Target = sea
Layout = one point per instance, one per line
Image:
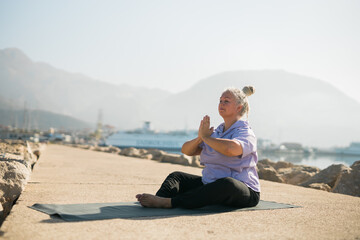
(316, 160)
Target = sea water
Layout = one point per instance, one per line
(315, 160)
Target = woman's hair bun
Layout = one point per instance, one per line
(248, 90)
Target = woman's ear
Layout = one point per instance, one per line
(239, 107)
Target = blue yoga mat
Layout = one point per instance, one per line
(99, 211)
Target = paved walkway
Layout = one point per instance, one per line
(67, 175)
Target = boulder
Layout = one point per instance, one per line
(320, 186)
(266, 163)
(148, 156)
(131, 152)
(1, 214)
(282, 164)
(349, 181)
(296, 176)
(176, 159)
(14, 173)
(328, 176)
(195, 161)
(269, 173)
(36, 154)
(156, 153)
(186, 160)
(112, 149)
(309, 169)
(99, 149)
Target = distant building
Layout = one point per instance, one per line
(291, 146)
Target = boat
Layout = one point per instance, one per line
(353, 149)
(146, 138)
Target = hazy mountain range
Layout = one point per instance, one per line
(285, 107)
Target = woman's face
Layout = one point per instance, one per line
(228, 106)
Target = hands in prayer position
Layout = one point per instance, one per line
(204, 128)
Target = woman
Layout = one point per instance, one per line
(229, 157)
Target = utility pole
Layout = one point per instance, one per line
(25, 118)
(98, 132)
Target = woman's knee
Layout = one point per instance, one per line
(175, 174)
(234, 186)
(227, 182)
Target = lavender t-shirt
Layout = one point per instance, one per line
(240, 167)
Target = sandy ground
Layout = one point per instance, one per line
(69, 175)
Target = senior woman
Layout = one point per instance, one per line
(228, 155)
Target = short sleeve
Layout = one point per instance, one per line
(247, 141)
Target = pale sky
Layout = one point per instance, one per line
(172, 44)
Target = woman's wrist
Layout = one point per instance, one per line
(199, 140)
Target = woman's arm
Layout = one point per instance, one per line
(191, 148)
(227, 147)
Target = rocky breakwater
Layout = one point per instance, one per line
(149, 154)
(17, 159)
(336, 178)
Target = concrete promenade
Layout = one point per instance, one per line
(65, 175)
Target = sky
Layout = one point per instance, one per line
(172, 45)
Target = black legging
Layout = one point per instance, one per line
(188, 191)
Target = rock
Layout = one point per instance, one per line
(98, 149)
(112, 149)
(349, 181)
(296, 176)
(29, 156)
(266, 163)
(282, 164)
(156, 153)
(1, 214)
(269, 173)
(148, 156)
(16, 162)
(37, 154)
(195, 161)
(176, 159)
(320, 186)
(91, 148)
(143, 151)
(186, 160)
(131, 152)
(309, 169)
(13, 177)
(328, 176)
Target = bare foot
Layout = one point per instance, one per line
(149, 200)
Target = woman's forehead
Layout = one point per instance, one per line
(227, 94)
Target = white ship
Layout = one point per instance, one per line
(147, 138)
(353, 149)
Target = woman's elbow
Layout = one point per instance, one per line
(183, 151)
(186, 151)
(232, 151)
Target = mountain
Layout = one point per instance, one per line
(285, 106)
(42, 120)
(45, 87)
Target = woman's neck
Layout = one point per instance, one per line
(230, 121)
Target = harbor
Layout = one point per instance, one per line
(171, 141)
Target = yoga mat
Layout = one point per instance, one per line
(99, 211)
